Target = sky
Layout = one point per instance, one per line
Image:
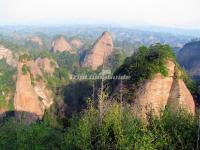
(168, 13)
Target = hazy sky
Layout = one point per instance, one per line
(176, 13)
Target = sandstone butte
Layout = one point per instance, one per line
(61, 45)
(76, 43)
(155, 95)
(100, 51)
(36, 40)
(163, 92)
(8, 56)
(32, 96)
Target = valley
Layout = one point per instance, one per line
(43, 107)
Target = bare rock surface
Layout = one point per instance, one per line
(8, 56)
(47, 64)
(36, 40)
(32, 95)
(161, 92)
(100, 51)
(180, 97)
(76, 43)
(61, 45)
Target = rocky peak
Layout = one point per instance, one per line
(100, 51)
(48, 65)
(8, 56)
(26, 100)
(36, 40)
(161, 92)
(32, 96)
(76, 43)
(61, 45)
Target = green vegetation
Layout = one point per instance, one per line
(67, 60)
(120, 129)
(114, 128)
(58, 79)
(24, 69)
(7, 83)
(146, 62)
(42, 54)
(191, 85)
(15, 135)
(117, 129)
(116, 59)
(24, 57)
(64, 59)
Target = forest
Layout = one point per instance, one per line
(99, 122)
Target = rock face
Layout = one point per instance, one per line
(47, 64)
(161, 92)
(32, 96)
(26, 100)
(36, 40)
(102, 48)
(8, 56)
(76, 43)
(189, 59)
(61, 45)
(180, 96)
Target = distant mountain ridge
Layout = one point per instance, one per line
(128, 38)
(189, 59)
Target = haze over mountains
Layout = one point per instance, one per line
(189, 58)
(32, 74)
(39, 82)
(99, 74)
(128, 38)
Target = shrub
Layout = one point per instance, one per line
(24, 69)
(146, 62)
(120, 129)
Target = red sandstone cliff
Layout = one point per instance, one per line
(102, 48)
(61, 45)
(36, 40)
(76, 43)
(32, 96)
(8, 56)
(161, 92)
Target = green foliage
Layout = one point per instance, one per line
(116, 59)
(180, 130)
(78, 135)
(42, 54)
(67, 60)
(120, 129)
(146, 62)
(16, 135)
(117, 129)
(7, 84)
(24, 57)
(191, 85)
(24, 69)
(58, 79)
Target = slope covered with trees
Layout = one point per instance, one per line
(76, 120)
